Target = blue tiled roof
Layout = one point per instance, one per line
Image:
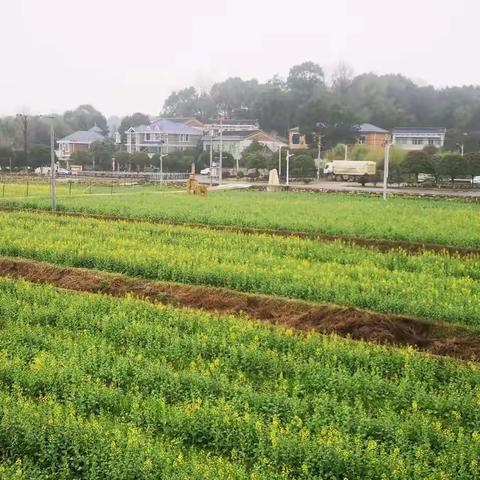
(420, 130)
(369, 128)
(162, 125)
(83, 136)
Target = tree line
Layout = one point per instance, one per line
(304, 98)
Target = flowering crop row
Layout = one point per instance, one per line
(432, 286)
(448, 222)
(97, 387)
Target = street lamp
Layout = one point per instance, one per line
(52, 162)
(211, 156)
(161, 165)
(288, 166)
(385, 169)
(221, 152)
(319, 156)
(161, 159)
(461, 146)
(280, 160)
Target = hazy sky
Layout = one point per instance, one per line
(124, 56)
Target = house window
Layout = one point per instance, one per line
(147, 137)
(417, 141)
(184, 138)
(296, 139)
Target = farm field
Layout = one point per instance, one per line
(36, 190)
(432, 286)
(445, 222)
(97, 387)
(188, 352)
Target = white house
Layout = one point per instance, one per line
(417, 138)
(236, 141)
(162, 136)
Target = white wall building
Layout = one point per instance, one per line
(412, 138)
(236, 141)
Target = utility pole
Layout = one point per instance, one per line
(221, 151)
(319, 159)
(280, 161)
(24, 120)
(385, 169)
(161, 165)
(211, 156)
(10, 157)
(52, 165)
(288, 167)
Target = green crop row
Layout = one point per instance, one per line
(97, 387)
(448, 222)
(433, 286)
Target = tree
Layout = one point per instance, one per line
(302, 166)
(124, 160)
(103, 153)
(274, 106)
(6, 157)
(140, 160)
(235, 97)
(452, 165)
(435, 167)
(472, 164)
(305, 78)
(39, 156)
(81, 157)
(134, 120)
(256, 156)
(189, 103)
(416, 162)
(85, 117)
(342, 78)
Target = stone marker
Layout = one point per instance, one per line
(273, 181)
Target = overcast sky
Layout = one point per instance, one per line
(124, 56)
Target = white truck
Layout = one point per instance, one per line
(349, 170)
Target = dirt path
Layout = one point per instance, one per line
(438, 339)
(379, 244)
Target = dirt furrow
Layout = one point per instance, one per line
(438, 339)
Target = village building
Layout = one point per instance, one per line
(236, 141)
(300, 141)
(162, 136)
(368, 134)
(81, 140)
(417, 138)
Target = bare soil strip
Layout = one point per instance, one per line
(439, 339)
(380, 244)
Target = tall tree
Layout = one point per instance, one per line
(235, 97)
(415, 163)
(134, 120)
(39, 156)
(189, 103)
(103, 153)
(85, 117)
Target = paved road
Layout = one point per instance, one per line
(352, 187)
